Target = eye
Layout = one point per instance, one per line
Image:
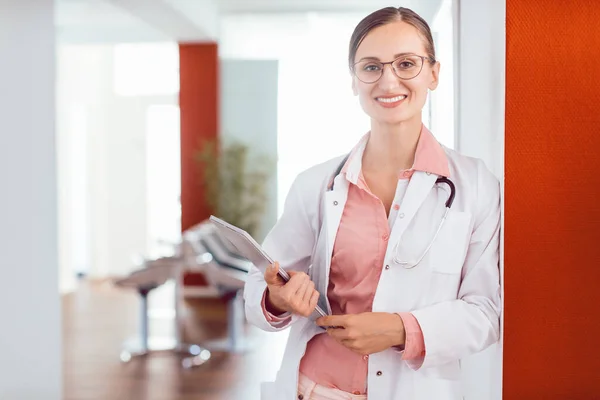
(371, 67)
(405, 64)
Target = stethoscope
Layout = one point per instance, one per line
(396, 258)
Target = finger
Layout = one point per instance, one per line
(301, 299)
(307, 307)
(296, 281)
(271, 276)
(307, 289)
(308, 294)
(339, 334)
(297, 274)
(333, 320)
(296, 298)
(314, 300)
(302, 285)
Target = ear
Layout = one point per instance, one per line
(435, 76)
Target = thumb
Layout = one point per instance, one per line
(271, 276)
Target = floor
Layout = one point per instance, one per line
(98, 318)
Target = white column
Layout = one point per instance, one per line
(30, 340)
(480, 104)
(481, 78)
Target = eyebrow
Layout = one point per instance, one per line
(395, 56)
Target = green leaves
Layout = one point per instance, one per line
(235, 182)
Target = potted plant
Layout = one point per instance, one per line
(235, 182)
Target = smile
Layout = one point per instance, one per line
(391, 99)
(391, 102)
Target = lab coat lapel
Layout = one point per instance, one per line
(335, 200)
(417, 191)
(406, 288)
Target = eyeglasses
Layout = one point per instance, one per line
(404, 67)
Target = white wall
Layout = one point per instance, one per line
(114, 131)
(481, 134)
(30, 337)
(481, 80)
(442, 99)
(248, 96)
(311, 127)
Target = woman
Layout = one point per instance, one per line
(409, 296)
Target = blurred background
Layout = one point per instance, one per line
(143, 93)
(143, 87)
(278, 83)
(112, 112)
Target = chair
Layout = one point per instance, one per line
(225, 270)
(151, 275)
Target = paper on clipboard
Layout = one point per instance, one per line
(250, 249)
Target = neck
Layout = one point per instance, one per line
(392, 147)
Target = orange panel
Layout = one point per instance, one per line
(198, 100)
(552, 210)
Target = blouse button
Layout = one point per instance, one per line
(300, 397)
(335, 203)
(379, 373)
(387, 267)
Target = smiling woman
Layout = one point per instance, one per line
(400, 329)
(412, 61)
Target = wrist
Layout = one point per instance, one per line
(270, 307)
(398, 331)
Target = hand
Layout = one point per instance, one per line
(365, 333)
(297, 296)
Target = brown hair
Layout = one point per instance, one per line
(385, 16)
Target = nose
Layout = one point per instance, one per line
(388, 79)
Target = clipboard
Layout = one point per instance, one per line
(250, 249)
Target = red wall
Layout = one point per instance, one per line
(198, 100)
(552, 207)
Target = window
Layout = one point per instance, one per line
(442, 99)
(162, 175)
(146, 69)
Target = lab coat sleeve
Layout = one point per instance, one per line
(290, 242)
(458, 328)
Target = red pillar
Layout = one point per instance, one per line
(552, 212)
(198, 101)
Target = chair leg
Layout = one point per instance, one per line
(236, 341)
(144, 344)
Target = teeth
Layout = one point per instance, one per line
(391, 100)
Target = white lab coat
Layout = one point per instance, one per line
(454, 292)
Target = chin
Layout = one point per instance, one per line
(392, 118)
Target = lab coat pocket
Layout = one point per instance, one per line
(449, 250)
(440, 383)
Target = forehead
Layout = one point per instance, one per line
(387, 40)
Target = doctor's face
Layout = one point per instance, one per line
(393, 93)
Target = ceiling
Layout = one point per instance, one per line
(111, 21)
(260, 6)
